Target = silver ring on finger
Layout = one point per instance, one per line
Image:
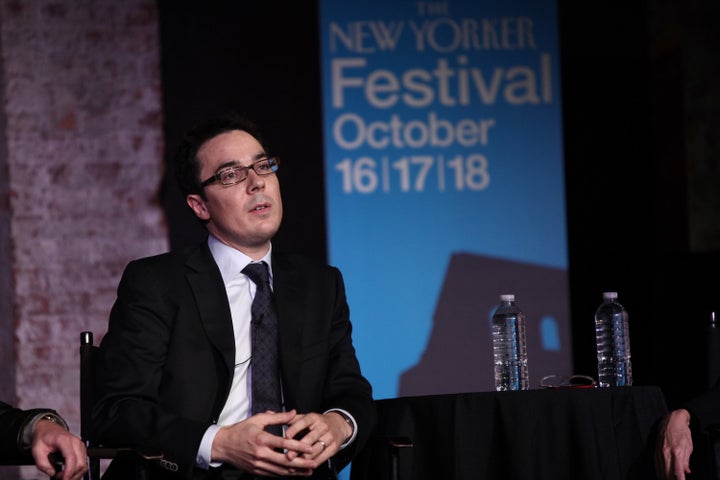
(321, 443)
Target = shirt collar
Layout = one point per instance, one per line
(231, 261)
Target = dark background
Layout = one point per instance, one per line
(628, 129)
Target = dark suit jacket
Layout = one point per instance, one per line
(705, 409)
(166, 362)
(12, 425)
(705, 426)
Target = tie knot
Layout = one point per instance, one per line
(258, 273)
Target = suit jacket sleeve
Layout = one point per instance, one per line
(13, 422)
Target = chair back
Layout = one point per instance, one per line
(87, 379)
(712, 350)
(88, 353)
(88, 397)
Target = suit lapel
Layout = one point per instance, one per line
(207, 286)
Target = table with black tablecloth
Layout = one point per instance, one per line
(562, 433)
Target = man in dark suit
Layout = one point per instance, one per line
(30, 436)
(175, 365)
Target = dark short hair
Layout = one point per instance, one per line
(187, 165)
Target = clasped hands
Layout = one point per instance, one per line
(310, 440)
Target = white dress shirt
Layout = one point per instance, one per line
(240, 291)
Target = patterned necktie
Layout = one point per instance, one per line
(264, 360)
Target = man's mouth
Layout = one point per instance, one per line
(257, 208)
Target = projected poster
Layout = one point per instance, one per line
(444, 182)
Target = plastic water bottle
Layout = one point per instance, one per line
(509, 346)
(612, 337)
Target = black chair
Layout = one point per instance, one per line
(387, 458)
(712, 349)
(714, 438)
(97, 452)
(395, 446)
(712, 352)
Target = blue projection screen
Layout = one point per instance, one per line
(445, 185)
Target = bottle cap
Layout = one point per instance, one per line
(609, 295)
(507, 297)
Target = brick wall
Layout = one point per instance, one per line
(81, 161)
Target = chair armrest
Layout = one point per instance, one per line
(114, 452)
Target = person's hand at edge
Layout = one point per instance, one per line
(674, 446)
(49, 437)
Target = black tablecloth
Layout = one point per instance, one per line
(565, 433)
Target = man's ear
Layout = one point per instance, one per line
(198, 206)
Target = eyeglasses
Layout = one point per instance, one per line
(234, 175)
(567, 381)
